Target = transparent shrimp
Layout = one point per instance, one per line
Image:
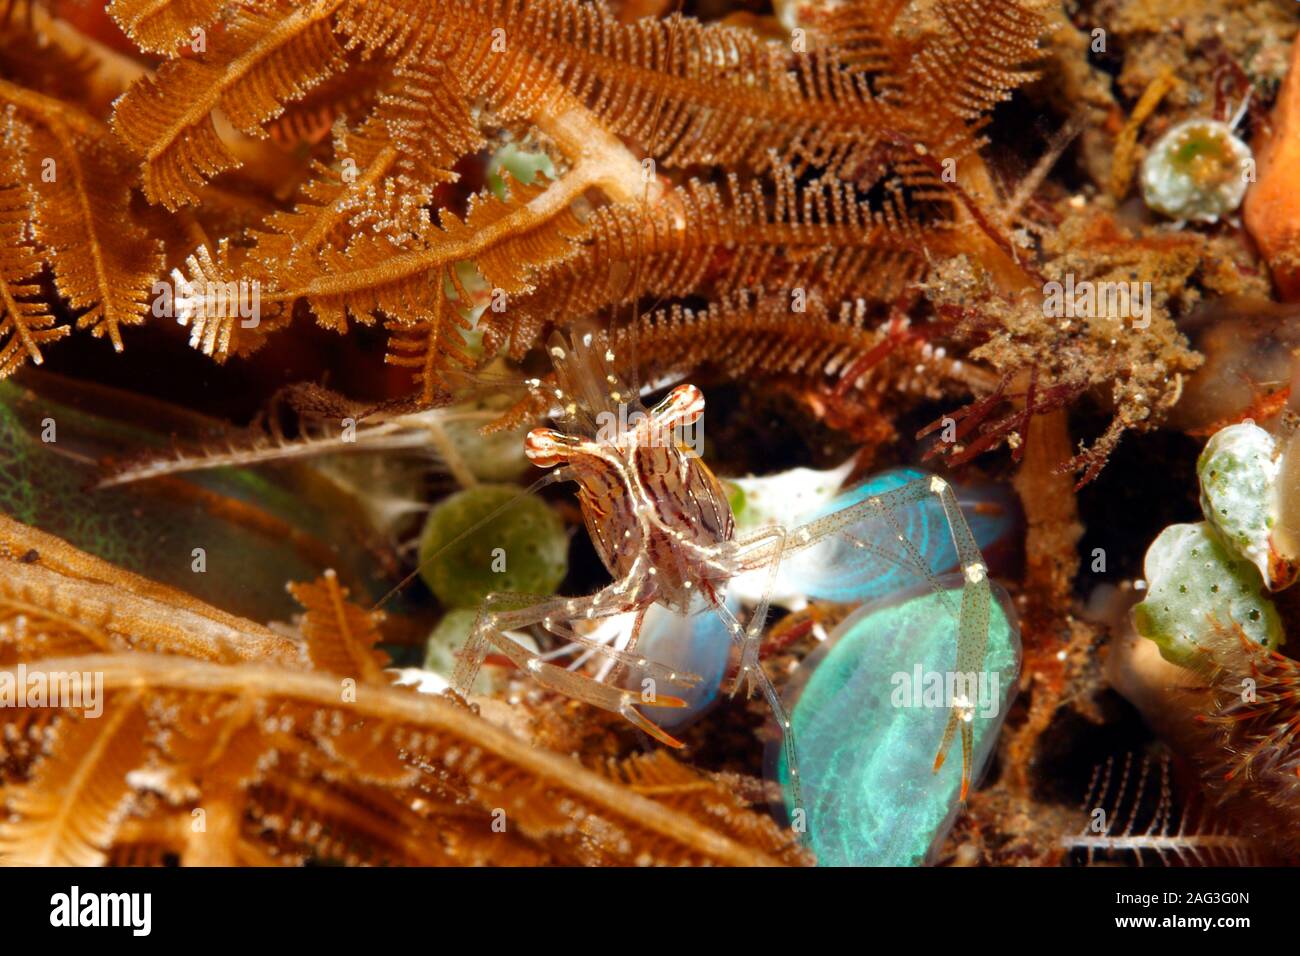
(664, 529)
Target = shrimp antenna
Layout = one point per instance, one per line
(551, 478)
(649, 174)
(466, 385)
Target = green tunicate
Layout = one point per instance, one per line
(449, 638)
(735, 498)
(495, 457)
(523, 549)
(522, 165)
(868, 721)
(1195, 582)
(1237, 471)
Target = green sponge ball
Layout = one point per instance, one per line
(524, 548)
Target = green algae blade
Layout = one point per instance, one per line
(255, 530)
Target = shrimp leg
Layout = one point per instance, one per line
(506, 611)
(974, 612)
(768, 545)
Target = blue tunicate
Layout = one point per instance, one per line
(697, 643)
(840, 570)
(869, 711)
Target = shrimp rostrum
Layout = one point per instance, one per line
(664, 528)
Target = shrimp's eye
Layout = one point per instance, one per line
(683, 406)
(545, 447)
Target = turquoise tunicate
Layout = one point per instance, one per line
(839, 570)
(531, 544)
(835, 570)
(869, 711)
